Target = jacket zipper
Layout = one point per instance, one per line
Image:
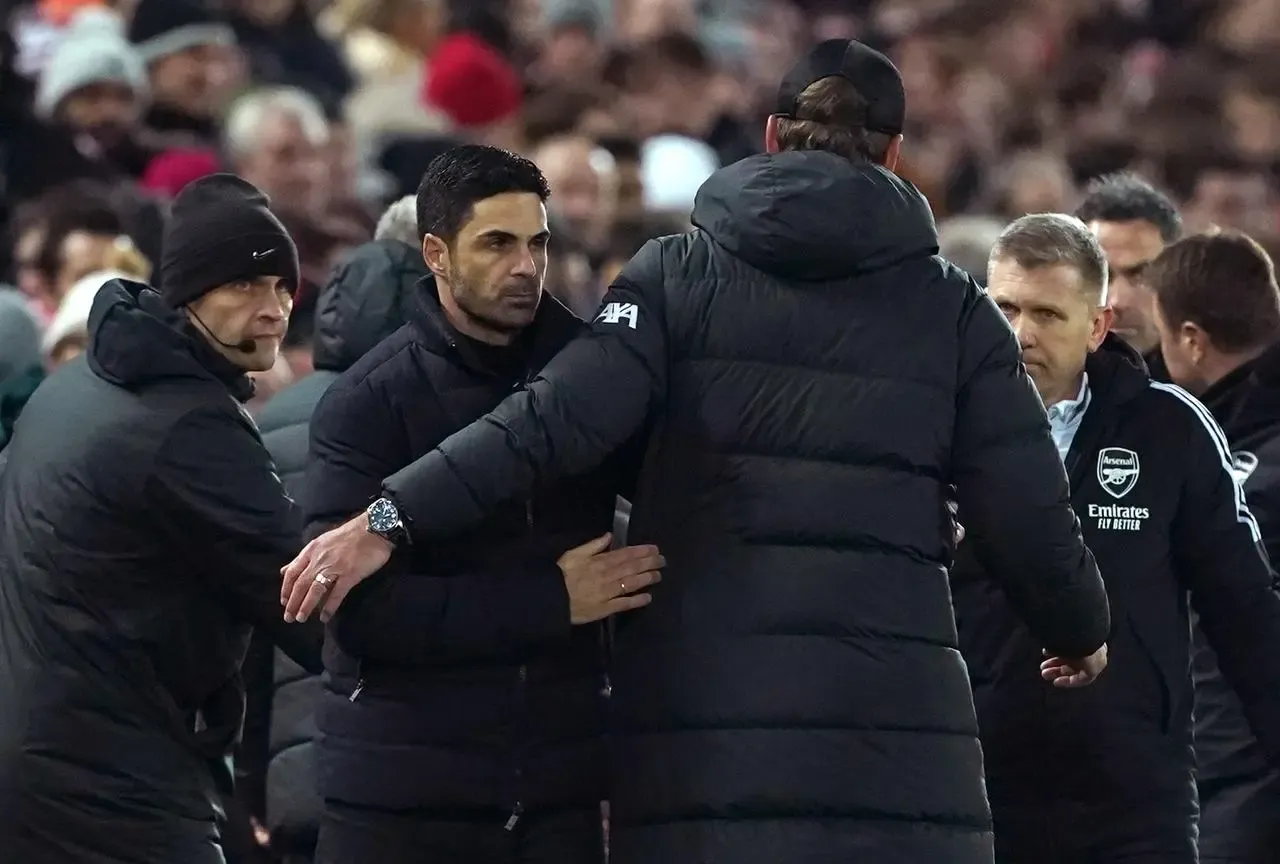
(355, 694)
(522, 676)
(522, 679)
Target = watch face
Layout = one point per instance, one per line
(383, 516)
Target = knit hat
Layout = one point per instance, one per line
(161, 28)
(220, 230)
(92, 50)
(471, 82)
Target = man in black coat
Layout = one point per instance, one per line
(1218, 314)
(143, 528)
(1106, 774)
(818, 379)
(462, 714)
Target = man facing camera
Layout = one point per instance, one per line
(463, 715)
(1106, 773)
(143, 526)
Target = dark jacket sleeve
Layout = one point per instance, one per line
(586, 403)
(407, 613)
(1012, 492)
(218, 487)
(1220, 559)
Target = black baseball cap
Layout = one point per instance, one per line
(874, 74)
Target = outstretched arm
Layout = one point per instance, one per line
(588, 401)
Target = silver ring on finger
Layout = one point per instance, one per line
(323, 579)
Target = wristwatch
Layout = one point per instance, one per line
(385, 521)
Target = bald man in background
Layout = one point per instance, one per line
(583, 183)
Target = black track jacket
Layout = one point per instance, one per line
(1106, 770)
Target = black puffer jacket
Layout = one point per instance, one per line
(143, 533)
(794, 693)
(1239, 791)
(455, 681)
(363, 303)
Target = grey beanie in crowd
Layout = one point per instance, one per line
(92, 50)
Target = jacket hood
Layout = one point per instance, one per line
(1246, 401)
(136, 339)
(814, 216)
(1117, 370)
(367, 299)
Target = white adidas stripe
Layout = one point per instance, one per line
(1243, 515)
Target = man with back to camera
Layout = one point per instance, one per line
(142, 522)
(1106, 774)
(462, 717)
(1217, 308)
(819, 380)
(1133, 221)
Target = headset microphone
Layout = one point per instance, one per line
(244, 346)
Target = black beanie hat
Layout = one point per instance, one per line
(220, 231)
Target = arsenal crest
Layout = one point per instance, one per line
(1117, 470)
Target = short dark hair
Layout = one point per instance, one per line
(1126, 197)
(458, 178)
(80, 206)
(1049, 239)
(1224, 282)
(831, 115)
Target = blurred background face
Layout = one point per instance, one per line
(82, 253)
(108, 112)
(268, 13)
(31, 280)
(582, 188)
(1014, 106)
(1244, 200)
(1056, 323)
(289, 164)
(1129, 247)
(257, 309)
(198, 81)
(494, 268)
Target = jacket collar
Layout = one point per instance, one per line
(1246, 400)
(553, 326)
(1116, 373)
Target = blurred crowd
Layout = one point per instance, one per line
(335, 107)
(108, 107)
